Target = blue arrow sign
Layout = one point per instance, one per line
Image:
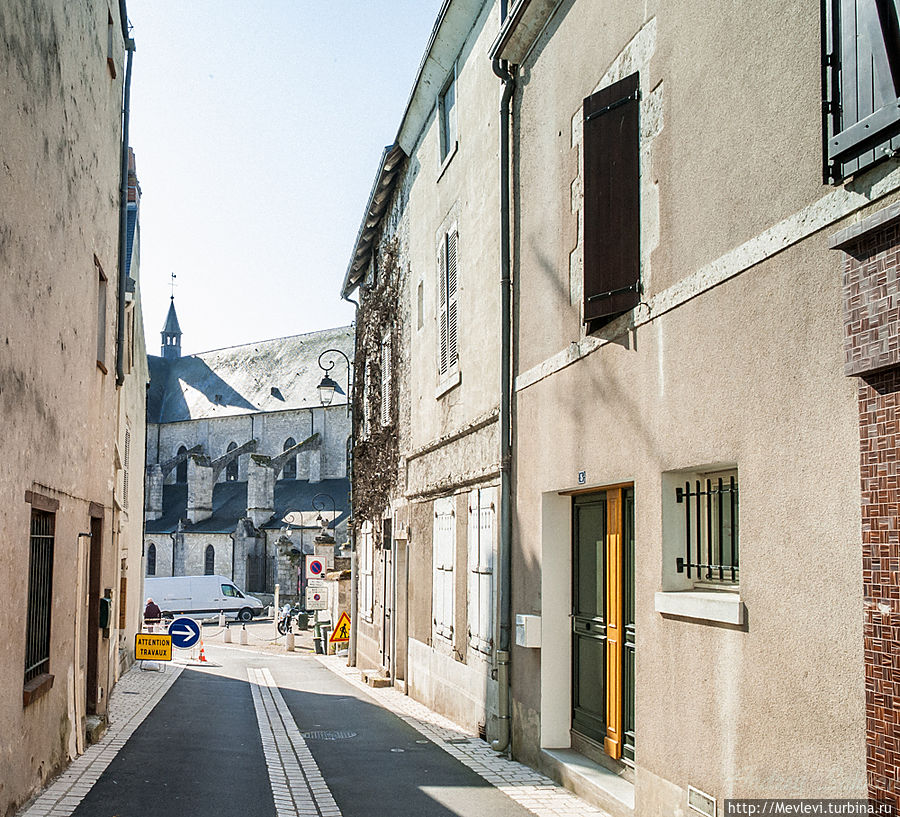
(185, 633)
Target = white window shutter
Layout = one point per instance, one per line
(474, 581)
(386, 380)
(452, 329)
(442, 317)
(487, 518)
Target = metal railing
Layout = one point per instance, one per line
(714, 520)
(40, 595)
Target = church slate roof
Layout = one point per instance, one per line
(230, 505)
(171, 326)
(269, 375)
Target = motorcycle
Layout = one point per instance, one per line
(289, 616)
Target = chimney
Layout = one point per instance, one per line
(200, 488)
(260, 489)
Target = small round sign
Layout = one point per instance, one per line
(185, 633)
(315, 567)
(317, 597)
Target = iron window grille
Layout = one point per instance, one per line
(711, 529)
(40, 594)
(151, 560)
(209, 567)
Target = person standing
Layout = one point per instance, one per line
(152, 615)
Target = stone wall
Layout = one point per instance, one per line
(271, 429)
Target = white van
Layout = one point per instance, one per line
(200, 596)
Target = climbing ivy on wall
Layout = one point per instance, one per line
(376, 455)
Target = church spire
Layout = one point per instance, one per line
(171, 334)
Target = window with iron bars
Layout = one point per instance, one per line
(40, 594)
(711, 528)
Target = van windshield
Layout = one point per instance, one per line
(231, 590)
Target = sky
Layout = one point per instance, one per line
(257, 129)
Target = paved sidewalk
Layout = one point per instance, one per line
(132, 699)
(527, 787)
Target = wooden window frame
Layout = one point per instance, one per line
(448, 119)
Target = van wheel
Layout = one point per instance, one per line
(245, 615)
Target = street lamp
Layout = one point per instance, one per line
(328, 386)
(325, 537)
(326, 394)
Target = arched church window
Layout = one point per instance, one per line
(181, 468)
(231, 470)
(210, 566)
(151, 560)
(290, 467)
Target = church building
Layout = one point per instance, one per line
(246, 467)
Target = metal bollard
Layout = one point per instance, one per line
(289, 642)
(244, 634)
(227, 634)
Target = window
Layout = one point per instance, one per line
(209, 565)
(110, 39)
(290, 467)
(447, 117)
(710, 528)
(181, 468)
(448, 357)
(40, 594)
(125, 467)
(231, 470)
(123, 601)
(366, 408)
(444, 555)
(482, 515)
(366, 562)
(861, 77)
(101, 316)
(230, 591)
(611, 203)
(386, 380)
(151, 559)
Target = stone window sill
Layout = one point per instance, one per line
(445, 162)
(36, 688)
(722, 606)
(451, 381)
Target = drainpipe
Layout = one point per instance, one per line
(351, 646)
(502, 70)
(123, 201)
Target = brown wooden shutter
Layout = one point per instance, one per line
(612, 256)
(861, 75)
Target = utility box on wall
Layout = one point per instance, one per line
(528, 631)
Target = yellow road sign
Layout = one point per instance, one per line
(150, 647)
(341, 632)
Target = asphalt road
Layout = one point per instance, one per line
(199, 752)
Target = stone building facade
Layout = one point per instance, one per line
(72, 383)
(427, 451)
(701, 595)
(244, 465)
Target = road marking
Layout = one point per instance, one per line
(526, 786)
(298, 787)
(132, 699)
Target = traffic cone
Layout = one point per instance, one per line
(202, 654)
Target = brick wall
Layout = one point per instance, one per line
(872, 351)
(879, 425)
